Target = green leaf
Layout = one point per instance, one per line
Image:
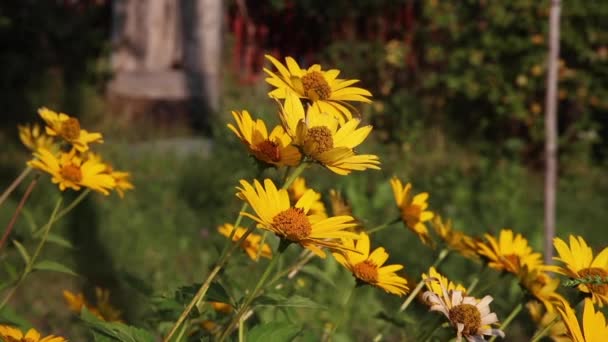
(58, 240)
(10, 317)
(216, 293)
(273, 299)
(10, 269)
(316, 273)
(48, 265)
(275, 331)
(24, 254)
(114, 331)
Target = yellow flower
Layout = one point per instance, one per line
(103, 310)
(69, 171)
(298, 188)
(323, 89)
(68, 128)
(454, 239)
(34, 138)
(274, 212)
(274, 149)
(210, 326)
(11, 334)
(339, 206)
(541, 286)
(251, 244)
(580, 263)
(413, 209)
(471, 317)
(323, 140)
(594, 328)
(437, 282)
(224, 308)
(509, 253)
(121, 178)
(367, 267)
(542, 318)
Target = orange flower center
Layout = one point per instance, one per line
(469, 316)
(70, 129)
(513, 262)
(315, 86)
(71, 172)
(292, 224)
(270, 150)
(319, 139)
(601, 289)
(366, 271)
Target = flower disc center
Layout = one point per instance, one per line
(292, 224)
(367, 271)
(270, 150)
(70, 129)
(318, 140)
(315, 86)
(71, 173)
(595, 272)
(469, 316)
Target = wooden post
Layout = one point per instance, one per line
(551, 130)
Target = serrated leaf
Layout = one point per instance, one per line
(273, 299)
(48, 265)
(273, 332)
(114, 331)
(24, 254)
(316, 273)
(58, 240)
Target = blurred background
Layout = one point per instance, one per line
(458, 111)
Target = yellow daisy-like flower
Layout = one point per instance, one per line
(323, 89)
(542, 287)
(12, 334)
(579, 263)
(274, 212)
(594, 328)
(69, 171)
(509, 253)
(224, 308)
(368, 267)
(542, 318)
(34, 138)
(103, 310)
(68, 128)
(298, 188)
(251, 244)
(413, 209)
(274, 149)
(323, 140)
(455, 240)
(437, 282)
(121, 178)
(471, 317)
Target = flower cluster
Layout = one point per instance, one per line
(63, 152)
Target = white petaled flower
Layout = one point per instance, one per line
(471, 317)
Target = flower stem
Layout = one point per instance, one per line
(383, 226)
(509, 319)
(14, 184)
(545, 330)
(442, 255)
(30, 264)
(64, 212)
(13, 220)
(294, 174)
(253, 294)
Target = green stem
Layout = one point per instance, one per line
(295, 174)
(64, 212)
(509, 319)
(253, 294)
(442, 255)
(30, 265)
(546, 329)
(24, 198)
(14, 184)
(382, 226)
(345, 310)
